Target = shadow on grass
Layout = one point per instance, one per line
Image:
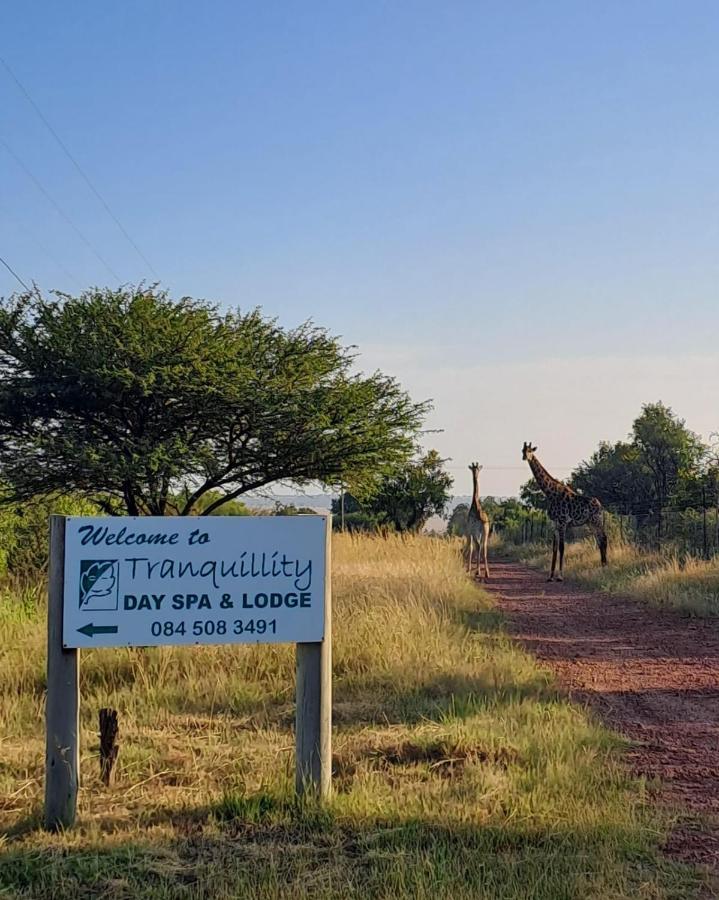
(483, 621)
(265, 845)
(22, 827)
(444, 756)
(398, 696)
(437, 697)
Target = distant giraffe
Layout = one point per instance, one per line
(566, 507)
(477, 526)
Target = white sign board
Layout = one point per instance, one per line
(146, 581)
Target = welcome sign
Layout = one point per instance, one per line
(147, 581)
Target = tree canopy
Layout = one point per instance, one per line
(152, 404)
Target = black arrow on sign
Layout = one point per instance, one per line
(91, 630)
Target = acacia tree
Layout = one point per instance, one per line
(156, 405)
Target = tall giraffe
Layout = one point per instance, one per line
(566, 507)
(477, 526)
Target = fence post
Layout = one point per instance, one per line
(704, 524)
(62, 711)
(313, 721)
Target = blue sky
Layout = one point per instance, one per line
(512, 207)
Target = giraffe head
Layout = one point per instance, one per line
(475, 467)
(528, 451)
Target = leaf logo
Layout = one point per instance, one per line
(98, 582)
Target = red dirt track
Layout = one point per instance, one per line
(651, 675)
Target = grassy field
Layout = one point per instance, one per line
(690, 585)
(459, 770)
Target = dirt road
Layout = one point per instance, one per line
(651, 675)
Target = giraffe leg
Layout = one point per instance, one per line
(472, 545)
(560, 577)
(486, 553)
(555, 543)
(479, 556)
(602, 543)
(468, 551)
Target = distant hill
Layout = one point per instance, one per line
(317, 501)
(314, 501)
(323, 502)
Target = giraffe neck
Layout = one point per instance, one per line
(476, 502)
(548, 484)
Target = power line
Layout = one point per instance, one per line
(511, 468)
(42, 247)
(61, 212)
(13, 273)
(63, 146)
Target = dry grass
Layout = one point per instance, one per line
(689, 585)
(459, 770)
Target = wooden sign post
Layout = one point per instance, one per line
(62, 738)
(313, 717)
(146, 581)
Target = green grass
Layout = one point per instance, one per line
(660, 579)
(460, 772)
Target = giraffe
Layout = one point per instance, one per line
(566, 507)
(477, 526)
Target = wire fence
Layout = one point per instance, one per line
(688, 531)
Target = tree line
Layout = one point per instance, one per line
(133, 402)
(659, 485)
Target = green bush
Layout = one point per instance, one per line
(24, 531)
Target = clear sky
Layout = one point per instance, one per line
(514, 208)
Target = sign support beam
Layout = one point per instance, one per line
(62, 757)
(313, 725)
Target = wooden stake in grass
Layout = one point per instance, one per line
(108, 743)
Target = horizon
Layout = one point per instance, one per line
(513, 214)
